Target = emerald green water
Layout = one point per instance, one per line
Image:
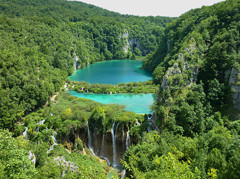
(138, 103)
(112, 72)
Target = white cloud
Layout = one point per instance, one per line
(172, 8)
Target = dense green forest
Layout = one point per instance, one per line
(194, 131)
(134, 87)
(41, 39)
(197, 110)
(41, 44)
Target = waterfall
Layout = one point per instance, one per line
(41, 122)
(149, 124)
(95, 145)
(116, 131)
(25, 133)
(105, 158)
(114, 146)
(123, 173)
(54, 138)
(138, 124)
(90, 140)
(128, 140)
(102, 147)
(123, 135)
(55, 142)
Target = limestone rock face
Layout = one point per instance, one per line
(170, 72)
(131, 43)
(234, 78)
(32, 157)
(181, 70)
(126, 46)
(66, 164)
(76, 65)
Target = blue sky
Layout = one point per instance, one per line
(172, 8)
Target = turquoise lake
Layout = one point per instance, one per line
(112, 72)
(138, 103)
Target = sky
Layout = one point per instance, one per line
(171, 8)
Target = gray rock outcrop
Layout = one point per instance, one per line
(32, 157)
(234, 78)
(60, 161)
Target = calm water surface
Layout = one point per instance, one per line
(138, 103)
(112, 72)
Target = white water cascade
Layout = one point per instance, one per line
(54, 143)
(116, 132)
(128, 140)
(114, 147)
(138, 124)
(90, 140)
(105, 158)
(123, 135)
(41, 122)
(123, 173)
(25, 133)
(149, 124)
(102, 147)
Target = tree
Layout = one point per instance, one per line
(14, 160)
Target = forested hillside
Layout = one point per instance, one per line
(194, 130)
(197, 111)
(42, 42)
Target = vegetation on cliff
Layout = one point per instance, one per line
(195, 65)
(197, 110)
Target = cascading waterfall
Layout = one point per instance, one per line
(95, 146)
(128, 140)
(90, 140)
(55, 142)
(102, 147)
(138, 124)
(41, 122)
(116, 133)
(123, 135)
(105, 158)
(149, 124)
(123, 173)
(25, 133)
(102, 151)
(114, 147)
(54, 138)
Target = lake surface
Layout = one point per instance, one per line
(112, 72)
(138, 103)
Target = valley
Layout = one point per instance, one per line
(76, 101)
